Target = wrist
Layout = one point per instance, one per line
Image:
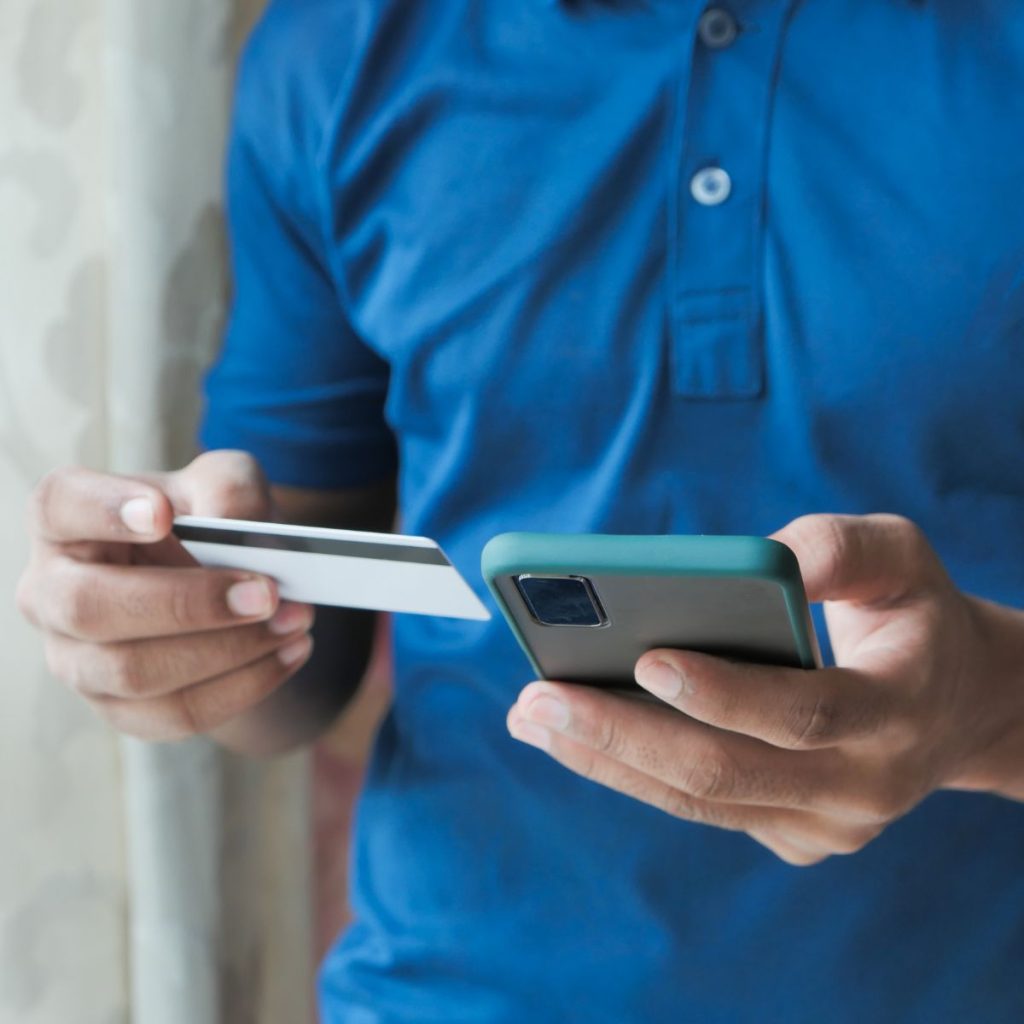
(996, 765)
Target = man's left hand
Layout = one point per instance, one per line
(927, 693)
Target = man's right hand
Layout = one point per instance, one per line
(160, 647)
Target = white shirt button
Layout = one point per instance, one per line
(717, 28)
(711, 186)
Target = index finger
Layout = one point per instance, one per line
(875, 559)
(72, 505)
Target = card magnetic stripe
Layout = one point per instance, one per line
(312, 545)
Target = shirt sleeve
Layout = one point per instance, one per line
(294, 385)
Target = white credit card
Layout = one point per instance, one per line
(347, 568)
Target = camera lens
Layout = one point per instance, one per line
(561, 600)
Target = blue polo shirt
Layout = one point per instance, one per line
(637, 267)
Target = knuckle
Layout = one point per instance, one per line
(913, 540)
(880, 804)
(828, 538)
(902, 729)
(906, 528)
(837, 544)
(78, 606)
(74, 674)
(59, 667)
(83, 668)
(822, 531)
(189, 604)
(239, 497)
(854, 842)
(24, 598)
(41, 501)
(174, 721)
(709, 777)
(122, 672)
(788, 851)
(922, 554)
(190, 713)
(208, 705)
(800, 859)
(158, 724)
(588, 766)
(813, 724)
(228, 461)
(681, 805)
(607, 737)
(241, 487)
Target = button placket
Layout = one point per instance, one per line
(717, 344)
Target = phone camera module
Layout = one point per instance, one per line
(561, 600)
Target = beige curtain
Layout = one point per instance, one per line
(144, 884)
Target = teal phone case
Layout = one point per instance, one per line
(736, 597)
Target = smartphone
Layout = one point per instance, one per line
(585, 607)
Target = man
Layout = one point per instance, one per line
(620, 267)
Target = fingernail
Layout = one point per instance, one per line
(526, 732)
(290, 617)
(249, 599)
(549, 711)
(139, 515)
(661, 679)
(296, 652)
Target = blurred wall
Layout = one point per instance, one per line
(151, 884)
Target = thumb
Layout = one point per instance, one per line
(872, 560)
(221, 484)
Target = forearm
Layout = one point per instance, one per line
(304, 707)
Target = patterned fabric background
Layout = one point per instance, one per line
(151, 884)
